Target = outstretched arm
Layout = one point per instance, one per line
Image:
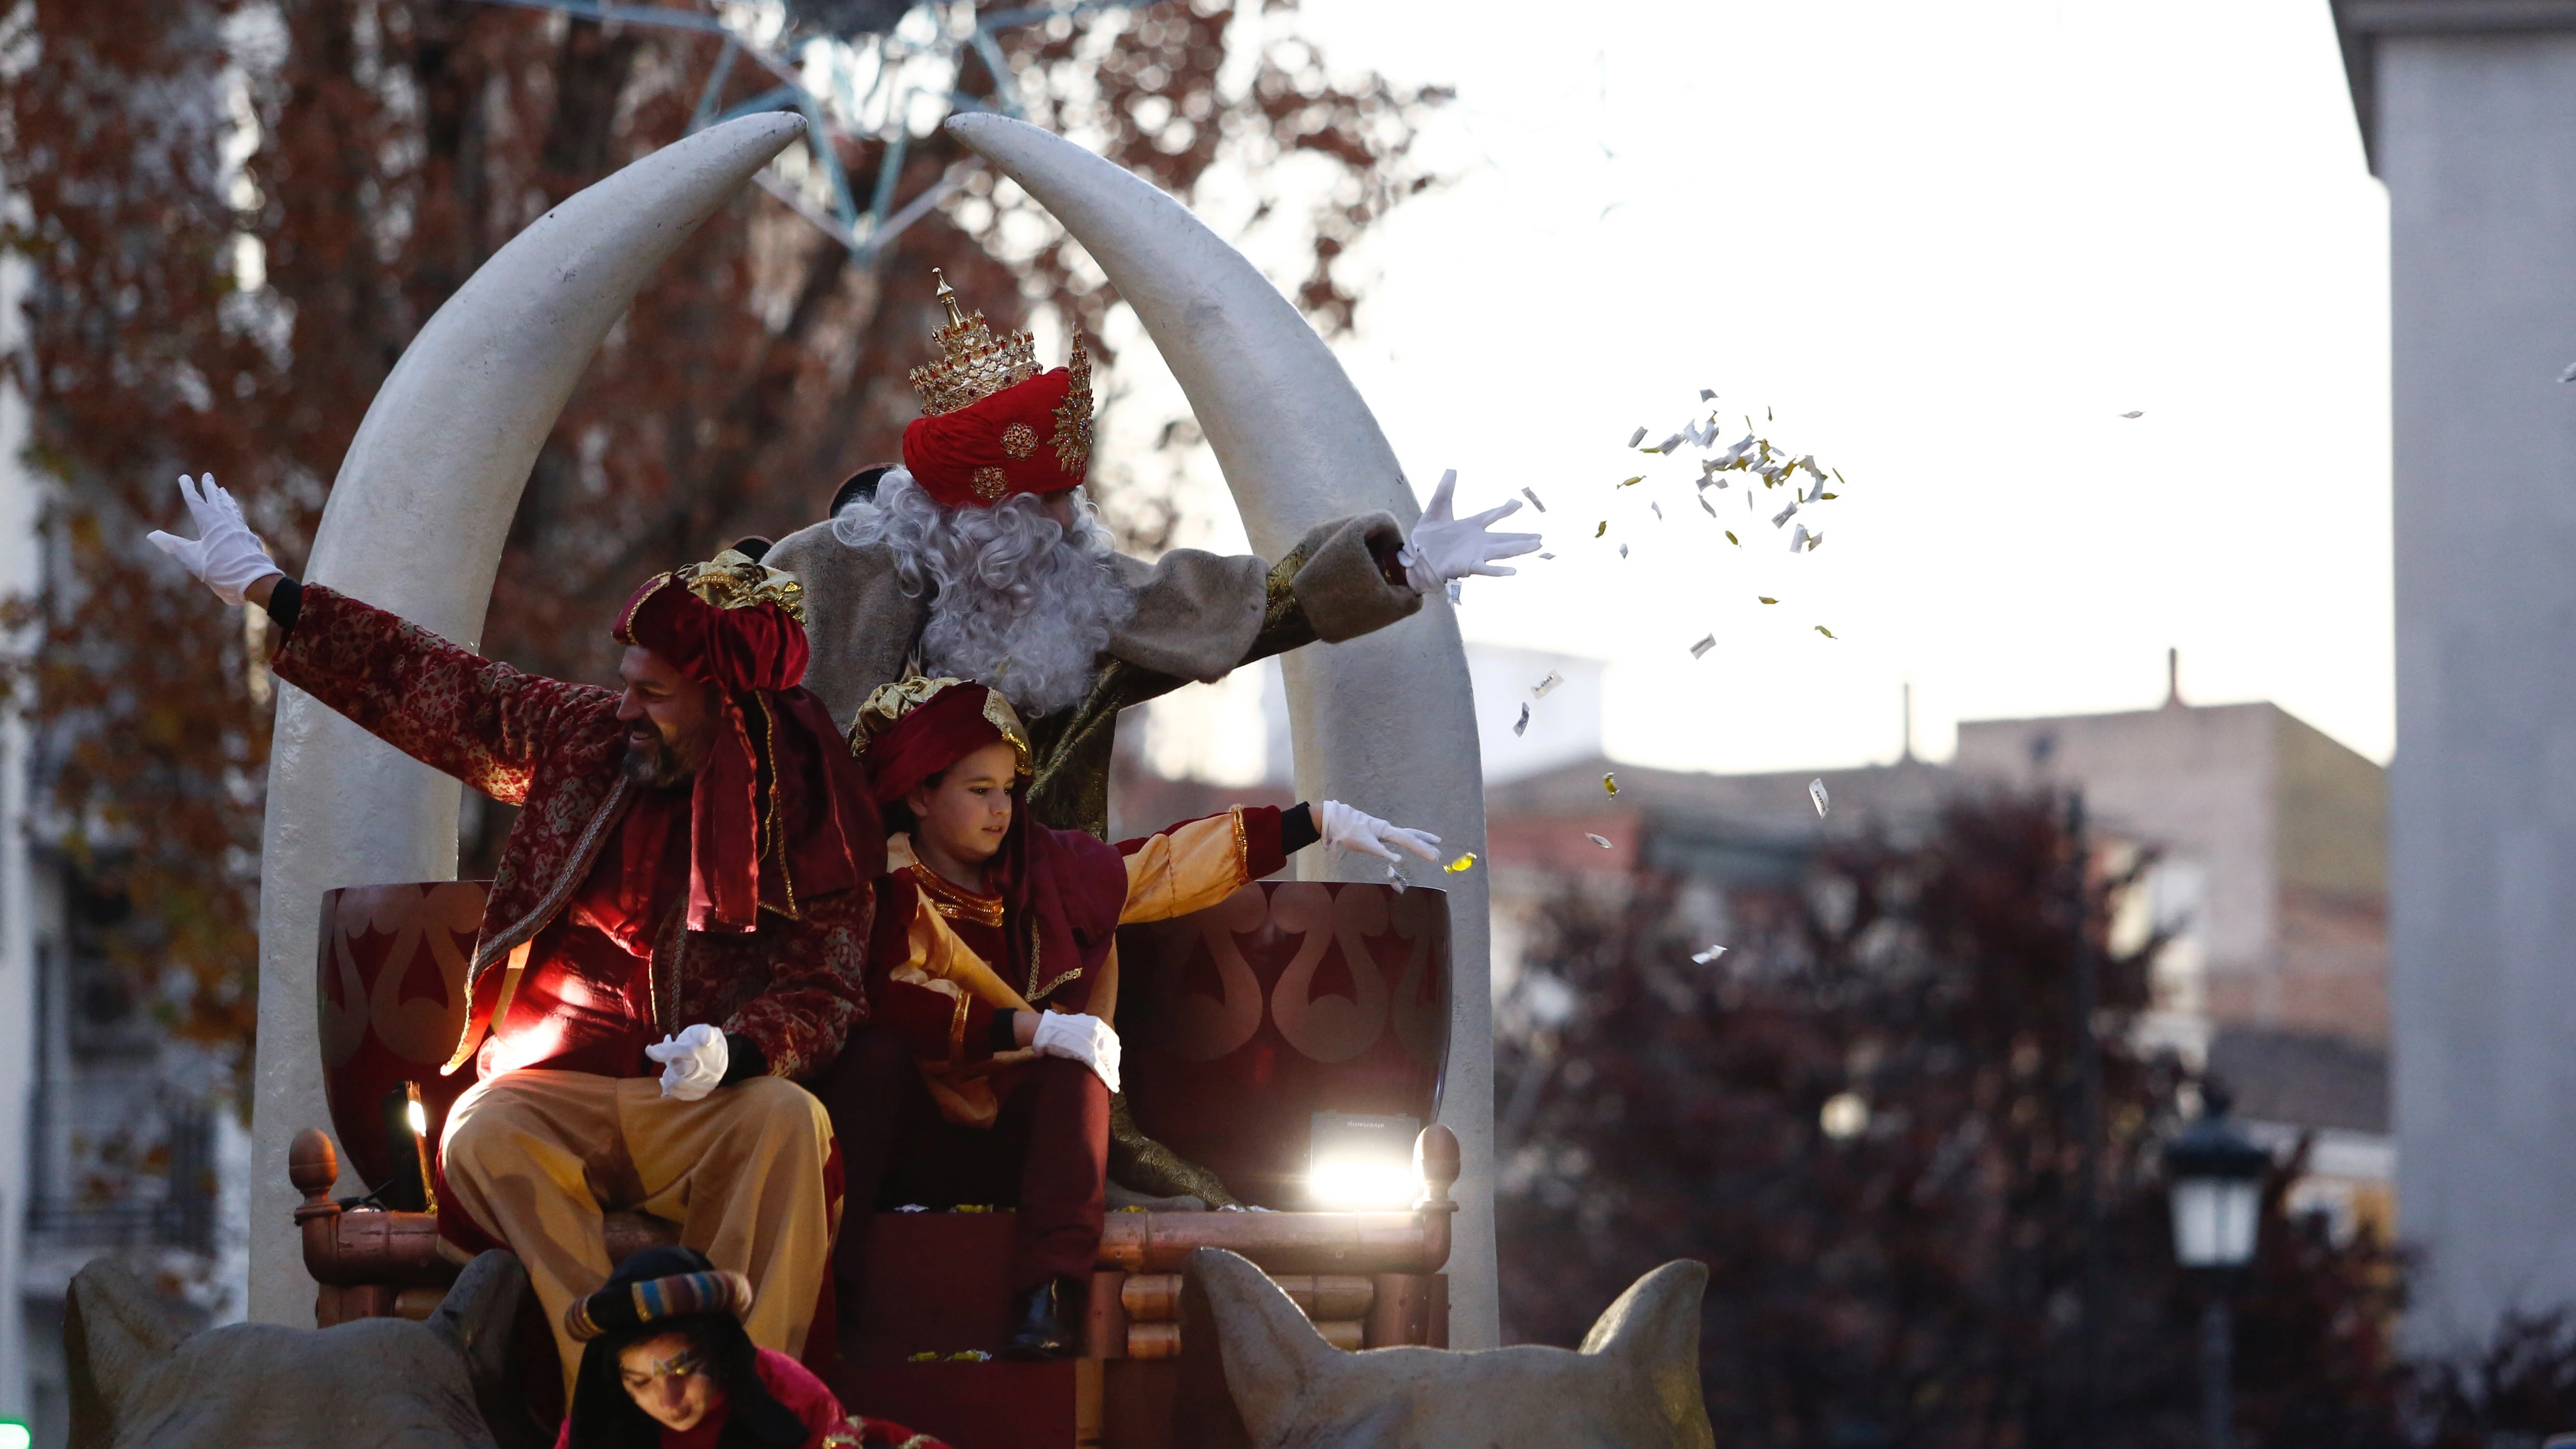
(449, 708)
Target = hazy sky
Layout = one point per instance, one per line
(1950, 246)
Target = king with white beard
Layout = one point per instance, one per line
(979, 559)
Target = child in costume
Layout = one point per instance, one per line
(665, 1364)
(985, 1072)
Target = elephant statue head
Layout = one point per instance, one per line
(1633, 1385)
(139, 1377)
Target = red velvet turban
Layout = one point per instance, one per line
(912, 730)
(1030, 437)
(739, 626)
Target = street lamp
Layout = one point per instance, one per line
(2216, 1174)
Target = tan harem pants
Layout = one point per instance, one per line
(536, 1156)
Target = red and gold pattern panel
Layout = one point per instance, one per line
(1285, 999)
(391, 999)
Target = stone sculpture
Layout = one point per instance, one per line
(1633, 1385)
(139, 1377)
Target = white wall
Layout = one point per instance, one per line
(2474, 142)
(19, 570)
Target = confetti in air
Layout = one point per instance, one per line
(1623, 550)
(1703, 958)
(1816, 792)
(1547, 555)
(1533, 498)
(1706, 396)
(1821, 629)
(1462, 864)
(2141, 415)
(1602, 530)
(1731, 538)
(1765, 599)
(1700, 649)
(1611, 784)
(1521, 727)
(1395, 878)
(1636, 437)
(2569, 375)
(1632, 482)
(1540, 689)
(1597, 840)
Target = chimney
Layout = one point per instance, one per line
(2173, 679)
(1905, 756)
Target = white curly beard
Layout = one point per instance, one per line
(1016, 601)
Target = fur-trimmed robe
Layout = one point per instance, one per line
(1199, 616)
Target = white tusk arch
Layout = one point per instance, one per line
(415, 524)
(1386, 722)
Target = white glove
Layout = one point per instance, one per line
(1444, 548)
(1344, 828)
(225, 554)
(693, 1063)
(1085, 1039)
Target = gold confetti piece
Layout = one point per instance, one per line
(2141, 415)
(1839, 478)
(1540, 689)
(1522, 726)
(1766, 598)
(1703, 958)
(1828, 633)
(1462, 864)
(1730, 536)
(1700, 649)
(1769, 416)
(1597, 840)
(1815, 541)
(1611, 784)
(1636, 437)
(1816, 792)
(970, 1355)
(927, 1355)
(1603, 530)
(1827, 497)
(1640, 478)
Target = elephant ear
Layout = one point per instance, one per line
(1276, 1364)
(1652, 1335)
(479, 1318)
(115, 1328)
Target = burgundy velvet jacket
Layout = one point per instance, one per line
(795, 987)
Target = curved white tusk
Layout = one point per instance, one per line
(415, 524)
(1386, 722)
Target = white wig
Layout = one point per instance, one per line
(1015, 601)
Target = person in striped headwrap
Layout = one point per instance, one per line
(665, 1364)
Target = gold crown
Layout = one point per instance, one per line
(973, 366)
(733, 580)
(887, 704)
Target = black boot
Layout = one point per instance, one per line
(1038, 1329)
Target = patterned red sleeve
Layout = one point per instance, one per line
(449, 708)
(817, 984)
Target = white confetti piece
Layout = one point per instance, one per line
(1636, 437)
(1700, 649)
(1456, 588)
(1521, 726)
(1703, 958)
(1539, 691)
(1659, 510)
(1547, 555)
(1782, 516)
(2569, 375)
(1667, 445)
(1533, 498)
(1707, 507)
(1798, 539)
(1598, 840)
(1395, 878)
(1816, 792)
(1623, 550)
(2562, 377)
(1706, 396)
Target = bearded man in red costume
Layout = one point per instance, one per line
(980, 559)
(677, 932)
